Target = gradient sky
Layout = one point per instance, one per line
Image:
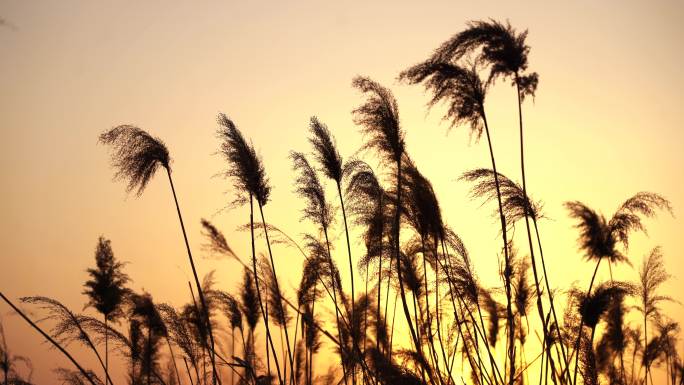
(605, 124)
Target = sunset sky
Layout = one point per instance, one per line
(606, 123)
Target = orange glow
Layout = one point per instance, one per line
(606, 123)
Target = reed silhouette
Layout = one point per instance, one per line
(460, 328)
(333, 167)
(250, 182)
(464, 92)
(599, 238)
(106, 289)
(652, 275)
(137, 156)
(11, 363)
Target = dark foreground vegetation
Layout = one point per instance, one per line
(420, 314)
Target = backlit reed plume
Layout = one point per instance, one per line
(367, 204)
(10, 363)
(72, 377)
(423, 213)
(245, 167)
(464, 92)
(523, 294)
(321, 213)
(591, 307)
(136, 156)
(216, 241)
(231, 309)
(516, 206)
(613, 342)
(495, 45)
(514, 202)
(247, 172)
(668, 331)
(180, 334)
(89, 375)
(278, 314)
(652, 274)
(68, 327)
(331, 163)
(310, 189)
(249, 301)
(505, 52)
(599, 238)
(106, 288)
(379, 121)
(145, 312)
(308, 292)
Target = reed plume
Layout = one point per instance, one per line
(137, 156)
(69, 326)
(143, 309)
(216, 241)
(464, 92)
(652, 274)
(9, 363)
(72, 377)
(250, 183)
(321, 213)
(328, 156)
(379, 121)
(52, 341)
(599, 238)
(245, 167)
(106, 290)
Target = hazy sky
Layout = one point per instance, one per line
(605, 124)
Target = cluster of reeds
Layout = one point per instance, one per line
(459, 331)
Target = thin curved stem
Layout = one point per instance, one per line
(275, 279)
(197, 281)
(256, 281)
(47, 337)
(507, 266)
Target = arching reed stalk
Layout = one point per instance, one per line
(69, 327)
(321, 213)
(379, 119)
(89, 376)
(368, 201)
(250, 183)
(464, 92)
(136, 156)
(516, 205)
(331, 163)
(505, 52)
(422, 212)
